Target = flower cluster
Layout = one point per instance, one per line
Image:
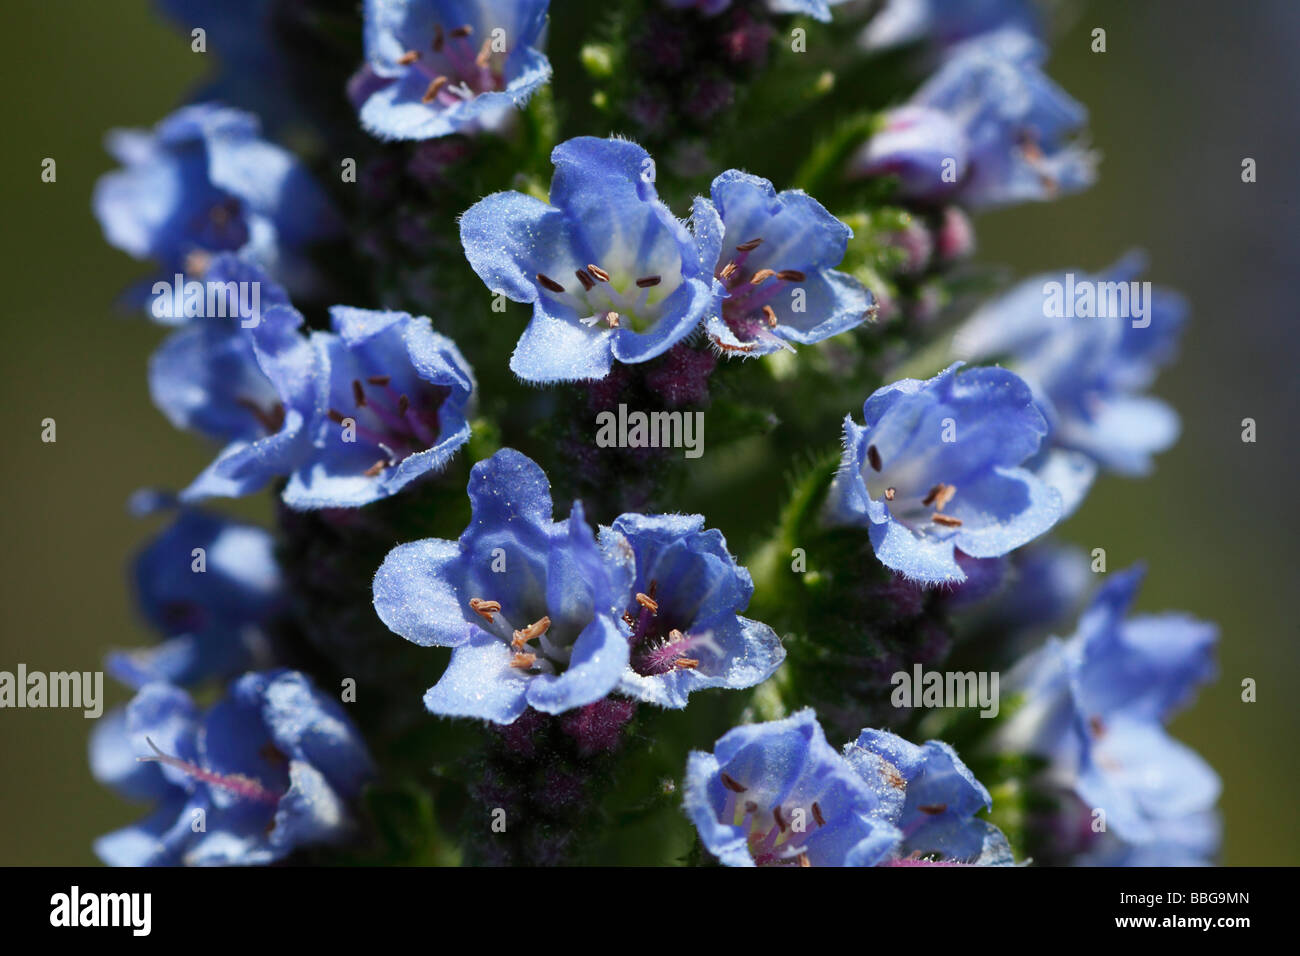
(558, 649)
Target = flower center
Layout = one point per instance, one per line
(659, 645)
(751, 289)
(391, 421)
(457, 68)
(537, 649)
(776, 835)
(908, 496)
(614, 301)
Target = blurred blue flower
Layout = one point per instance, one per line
(817, 9)
(775, 256)
(936, 468)
(392, 398)
(777, 793)
(268, 770)
(944, 25)
(988, 129)
(209, 585)
(610, 272)
(686, 634)
(1088, 366)
(1095, 705)
(437, 67)
(204, 182)
(530, 606)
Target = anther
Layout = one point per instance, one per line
(612, 319)
(791, 275)
(461, 31)
(686, 663)
(732, 784)
(770, 313)
(336, 416)
(933, 809)
(803, 860)
(762, 275)
(598, 272)
(484, 54)
(376, 468)
(484, 609)
(531, 632)
(889, 493)
(647, 602)
(587, 281)
(438, 38)
(948, 521)
(403, 403)
(1095, 726)
(546, 282)
(523, 661)
(409, 57)
(358, 393)
(749, 246)
(780, 820)
(817, 814)
(727, 271)
(939, 496)
(434, 89)
(379, 379)
(645, 282)
(873, 457)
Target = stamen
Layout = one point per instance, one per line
(647, 602)
(409, 57)
(375, 469)
(732, 784)
(771, 316)
(438, 38)
(531, 632)
(358, 394)
(523, 661)
(587, 281)
(948, 521)
(803, 860)
(1096, 726)
(645, 282)
(817, 814)
(791, 275)
(379, 379)
(762, 275)
(612, 319)
(403, 404)
(484, 54)
(235, 783)
(780, 820)
(933, 809)
(461, 31)
(546, 282)
(336, 416)
(686, 663)
(727, 271)
(749, 246)
(484, 609)
(434, 89)
(628, 619)
(873, 457)
(939, 496)
(598, 272)
(889, 493)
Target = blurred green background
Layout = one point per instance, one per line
(1183, 93)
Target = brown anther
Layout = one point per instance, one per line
(948, 521)
(817, 814)
(645, 282)
(461, 31)
(587, 281)
(598, 272)
(675, 635)
(752, 807)
(686, 663)
(378, 380)
(749, 246)
(647, 602)
(780, 820)
(336, 416)
(873, 457)
(889, 493)
(523, 661)
(409, 57)
(546, 282)
(484, 54)
(803, 860)
(531, 632)
(762, 275)
(939, 496)
(270, 420)
(438, 38)
(484, 609)
(358, 394)
(1095, 726)
(403, 404)
(376, 468)
(612, 319)
(732, 784)
(791, 275)
(434, 89)
(770, 314)
(933, 809)
(628, 619)
(653, 588)
(727, 271)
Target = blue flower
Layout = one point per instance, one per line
(932, 798)
(1095, 705)
(437, 67)
(529, 605)
(1088, 365)
(778, 794)
(944, 25)
(205, 182)
(268, 770)
(988, 129)
(774, 254)
(935, 467)
(209, 586)
(686, 634)
(392, 396)
(610, 272)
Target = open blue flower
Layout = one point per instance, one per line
(610, 272)
(777, 794)
(209, 585)
(530, 606)
(204, 182)
(775, 256)
(988, 129)
(392, 396)
(1095, 704)
(269, 769)
(437, 67)
(931, 797)
(1088, 365)
(686, 634)
(936, 468)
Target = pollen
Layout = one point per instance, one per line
(686, 663)
(791, 275)
(939, 496)
(948, 521)
(531, 632)
(598, 272)
(484, 609)
(647, 602)
(762, 275)
(523, 661)
(749, 246)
